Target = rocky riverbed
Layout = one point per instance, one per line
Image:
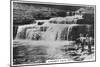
(39, 52)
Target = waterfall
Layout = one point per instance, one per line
(69, 30)
(57, 32)
(52, 36)
(52, 32)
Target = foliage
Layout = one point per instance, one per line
(88, 19)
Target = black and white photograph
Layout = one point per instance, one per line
(52, 33)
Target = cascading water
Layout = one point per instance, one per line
(53, 36)
(52, 33)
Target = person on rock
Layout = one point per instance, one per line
(81, 41)
(88, 41)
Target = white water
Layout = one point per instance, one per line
(52, 33)
(55, 36)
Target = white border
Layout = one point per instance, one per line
(50, 3)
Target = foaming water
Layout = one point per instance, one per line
(52, 36)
